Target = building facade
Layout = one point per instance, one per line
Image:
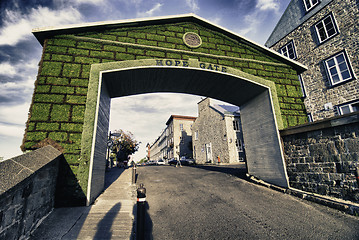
(175, 141)
(323, 35)
(217, 134)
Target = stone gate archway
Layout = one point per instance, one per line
(257, 97)
(154, 55)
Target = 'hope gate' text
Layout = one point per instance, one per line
(183, 63)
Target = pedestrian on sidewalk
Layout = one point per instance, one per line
(178, 163)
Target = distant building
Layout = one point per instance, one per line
(217, 134)
(175, 140)
(323, 35)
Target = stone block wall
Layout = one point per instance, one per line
(317, 85)
(323, 157)
(60, 95)
(27, 191)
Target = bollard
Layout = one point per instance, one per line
(133, 173)
(141, 210)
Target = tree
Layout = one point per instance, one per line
(124, 144)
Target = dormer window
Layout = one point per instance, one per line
(288, 50)
(309, 4)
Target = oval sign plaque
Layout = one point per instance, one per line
(192, 40)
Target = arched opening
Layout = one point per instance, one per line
(255, 96)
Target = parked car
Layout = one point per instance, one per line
(184, 161)
(172, 161)
(160, 162)
(187, 161)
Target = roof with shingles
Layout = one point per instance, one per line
(294, 16)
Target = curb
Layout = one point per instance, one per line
(339, 204)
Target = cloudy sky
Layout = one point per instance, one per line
(143, 115)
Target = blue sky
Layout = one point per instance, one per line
(143, 115)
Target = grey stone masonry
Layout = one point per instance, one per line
(323, 97)
(27, 191)
(323, 157)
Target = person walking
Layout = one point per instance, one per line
(178, 163)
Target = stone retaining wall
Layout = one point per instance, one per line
(27, 191)
(323, 157)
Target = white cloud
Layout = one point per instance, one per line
(193, 5)
(264, 5)
(94, 2)
(7, 69)
(152, 11)
(18, 27)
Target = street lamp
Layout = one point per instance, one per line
(110, 145)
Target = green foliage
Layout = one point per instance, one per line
(61, 58)
(71, 127)
(49, 98)
(79, 82)
(75, 99)
(60, 112)
(78, 113)
(62, 89)
(71, 70)
(40, 112)
(57, 81)
(35, 136)
(58, 136)
(124, 145)
(47, 126)
(43, 88)
(51, 68)
(89, 45)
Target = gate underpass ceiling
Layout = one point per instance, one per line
(192, 81)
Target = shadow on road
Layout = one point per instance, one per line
(112, 175)
(239, 171)
(104, 226)
(148, 229)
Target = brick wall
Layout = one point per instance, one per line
(58, 105)
(323, 157)
(27, 191)
(311, 54)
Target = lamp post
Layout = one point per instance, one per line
(109, 147)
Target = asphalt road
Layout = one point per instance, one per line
(216, 203)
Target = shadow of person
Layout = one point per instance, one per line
(104, 230)
(148, 228)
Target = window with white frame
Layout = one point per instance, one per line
(239, 145)
(310, 117)
(348, 108)
(338, 68)
(326, 28)
(196, 135)
(289, 51)
(302, 85)
(181, 127)
(309, 4)
(236, 125)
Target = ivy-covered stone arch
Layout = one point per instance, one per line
(62, 87)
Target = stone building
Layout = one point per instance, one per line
(176, 140)
(322, 35)
(217, 134)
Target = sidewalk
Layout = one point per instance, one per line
(110, 217)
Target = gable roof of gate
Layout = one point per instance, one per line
(44, 33)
